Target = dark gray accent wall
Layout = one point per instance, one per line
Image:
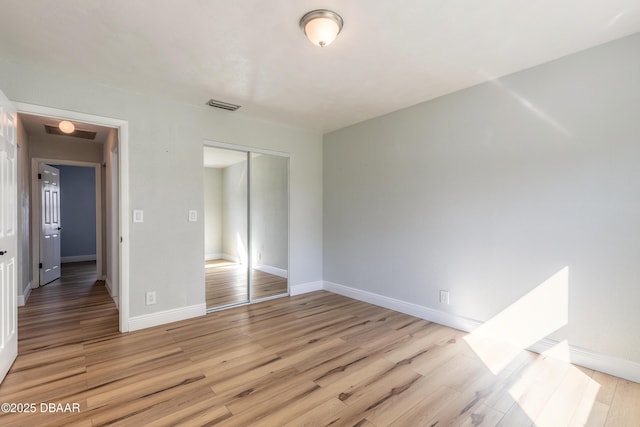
(77, 210)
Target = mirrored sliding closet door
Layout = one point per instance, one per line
(246, 226)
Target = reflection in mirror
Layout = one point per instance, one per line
(269, 225)
(225, 227)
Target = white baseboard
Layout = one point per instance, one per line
(304, 288)
(78, 258)
(209, 257)
(622, 368)
(599, 362)
(160, 318)
(436, 316)
(22, 299)
(272, 270)
(231, 258)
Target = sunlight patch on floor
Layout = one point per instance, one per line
(522, 324)
(550, 391)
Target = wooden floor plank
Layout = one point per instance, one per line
(226, 283)
(314, 359)
(625, 407)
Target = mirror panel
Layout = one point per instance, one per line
(225, 227)
(269, 208)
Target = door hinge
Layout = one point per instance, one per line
(40, 265)
(39, 176)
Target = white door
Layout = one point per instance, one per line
(8, 237)
(49, 179)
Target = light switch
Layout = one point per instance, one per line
(193, 216)
(138, 216)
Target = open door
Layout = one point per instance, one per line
(8, 237)
(49, 179)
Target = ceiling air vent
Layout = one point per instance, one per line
(224, 105)
(84, 134)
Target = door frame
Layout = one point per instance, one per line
(36, 211)
(122, 126)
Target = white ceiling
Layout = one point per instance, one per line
(390, 54)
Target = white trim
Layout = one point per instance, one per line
(244, 148)
(611, 365)
(622, 368)
(22, 299)
(123, 178)
(304, 288)
(168, 316)
(123, 223)
(437, 316)
(273, 270)
(211, 257)
(78, 258)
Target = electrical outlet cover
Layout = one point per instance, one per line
(138, 215)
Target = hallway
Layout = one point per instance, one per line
(75, 308)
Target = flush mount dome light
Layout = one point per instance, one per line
(321, 26)
(66, 126)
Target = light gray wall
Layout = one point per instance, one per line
(234, 212)
(77, 210)
(166, 178)
(212, 212)
(269, 210)
(489, 191)
(61, 148)
(24, 191)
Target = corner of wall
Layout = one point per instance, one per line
(22, 299)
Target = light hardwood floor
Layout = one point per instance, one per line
(226, 283)
(315, 359)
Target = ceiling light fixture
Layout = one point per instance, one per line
(321, 26)
(66, 126)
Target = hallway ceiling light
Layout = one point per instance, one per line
(321, 26)
(66, 126)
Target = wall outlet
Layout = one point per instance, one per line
(444, 297)
(193, 216)
(150, 297)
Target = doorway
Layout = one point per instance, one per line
(246, 223)
(67, 221)
(111, 199)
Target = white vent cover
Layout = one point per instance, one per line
(224, 105)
